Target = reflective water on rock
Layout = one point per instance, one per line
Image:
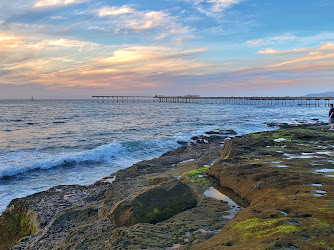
(280, 166)
(227, 195)
(316, 184)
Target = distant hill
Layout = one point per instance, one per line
(325, 94)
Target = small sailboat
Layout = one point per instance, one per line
(32, 98)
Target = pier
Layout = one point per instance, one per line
(250, 100)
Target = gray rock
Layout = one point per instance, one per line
(154, 204)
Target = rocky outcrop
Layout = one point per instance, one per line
(291, 203)
(138, 207)
(28, 215)
(16, 222)
(285, 177)
(154, 204)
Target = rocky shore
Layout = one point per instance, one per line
(280, 182)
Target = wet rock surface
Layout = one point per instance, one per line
(153, 204)
(291, 200)
(284, 179)
(84, 217)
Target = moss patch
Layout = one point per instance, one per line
(155, 214)
(17, 224)
(278, 229)
(200, 171)
(262, 228)
(197, 176)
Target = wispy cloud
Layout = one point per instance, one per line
(48, 3)
(125, 17)
(321, 52)
(213, 8)
(8, 41)
(145, 53)
(325, 46)
(288, 38)
(270, 40)
(276, 51)
(115, 11)
(219, 5)
(59, 43)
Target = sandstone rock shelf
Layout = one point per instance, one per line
(284, 177)
(148, 205)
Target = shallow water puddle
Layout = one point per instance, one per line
(316, 185)
(321, 191)
(190, 160)
(280, 166)
(223, 194)
(316, 164)
(328, 153)
(301, 156)
(279, 140)
(293, 223)
(325, 170)
(283, 213)
(110, 179)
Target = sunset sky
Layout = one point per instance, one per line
(80, 48)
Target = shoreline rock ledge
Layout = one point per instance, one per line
(148, 205)
(285, 176)
(153, 204)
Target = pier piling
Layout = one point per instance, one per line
(232, 100)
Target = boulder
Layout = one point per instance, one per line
(154, 204)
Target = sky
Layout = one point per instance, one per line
(80, 48)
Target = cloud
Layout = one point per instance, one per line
(151, 60)
(115, 11)
(47, 3)
(275, 51)
(302, 40)
(22, 54)
(63, 59)
(220, 5)
(147, 20)
(8, 41)
(269, 40)
(137, 67)
(125, 17)
(59, 43)
(145, 54)
(213, 8)
(323, 51)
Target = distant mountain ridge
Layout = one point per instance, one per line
(325, 94)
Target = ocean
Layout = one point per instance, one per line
(44, 143)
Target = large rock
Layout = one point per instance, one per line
(154, 204)
(16, 222)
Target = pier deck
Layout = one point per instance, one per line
(250, 100)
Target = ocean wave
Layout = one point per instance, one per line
(13, 163)
(125, 154)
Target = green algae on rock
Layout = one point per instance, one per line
(153, 204)
(283, 211)
(79, 216)
(15, 223)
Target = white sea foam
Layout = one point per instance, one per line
(14, 163)
(123, 154)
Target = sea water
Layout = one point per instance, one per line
(44, 143)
